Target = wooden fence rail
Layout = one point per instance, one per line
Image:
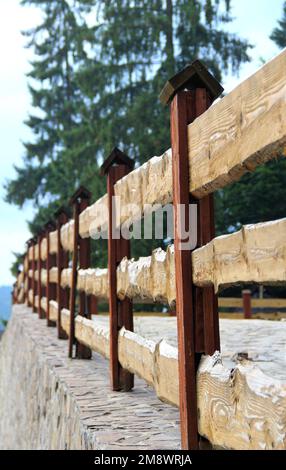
(212, 146)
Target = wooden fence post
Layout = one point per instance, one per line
(34, 281)
(246, 301)
(93, 305)
(62, 218)
(190, 92)
(83, 352)
(115, 167)
(78, 202)
(41, 312)
(29, 244)
(25, 277)
(50, 261)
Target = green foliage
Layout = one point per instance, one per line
(98, 70)
(141, 44)
(279, 33)
(58, 158)
(17, 263)
(257, 197)
(3, 323)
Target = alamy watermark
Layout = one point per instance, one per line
(129, 221)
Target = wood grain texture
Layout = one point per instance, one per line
(30, 252)
(244, 129)
(93, 281)
(67, 236)
(53, 242)
(256, 253)
(53, 310)
(238, 408)
(44, 249)
(151, 277)
(66, 277)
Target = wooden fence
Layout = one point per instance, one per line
(212, 146)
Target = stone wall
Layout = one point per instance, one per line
(50, 402)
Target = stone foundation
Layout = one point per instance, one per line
(48, 401)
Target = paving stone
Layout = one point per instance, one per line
(48, 401)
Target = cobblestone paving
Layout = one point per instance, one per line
(263, 341)
(133, 420)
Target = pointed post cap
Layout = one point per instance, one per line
(30, 241)
(61, 210)
(33, 240)
(116, 157)
(81, 193)
(40, 232)
(50, 225)
(193, 76)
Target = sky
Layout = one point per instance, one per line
(254, 20)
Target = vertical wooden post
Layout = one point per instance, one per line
(34, 282)
(80, 195)
(50, 288)
(246, 301)
(84, 352)
(24, 278)
(29, 283)
(29, 263)
(62, 263)
(41, 312)
(93, 305)
(13, 294)
(115, 167)
(188, 94)
(208, 310)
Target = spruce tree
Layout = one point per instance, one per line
(279, 33)
(258, 196)
(53, 161)
(95, 82)
(141, 44)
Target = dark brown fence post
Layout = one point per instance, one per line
(115, 167)
(34, 282)
(25, 278)
(29, 244)
(50, 261)
(62, 263)
(77, 202)
(41, 312)
(190, 92)
(93, 305)
(83, 352)
(246, 301)
(13, 293)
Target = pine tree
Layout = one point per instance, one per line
(258, 196)
(142, 43)
(53, 160)
(279, 33)
(99, 69)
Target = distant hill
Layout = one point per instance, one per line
(5, 303)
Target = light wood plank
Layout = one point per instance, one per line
(268, 303)
(229, 302)
(238, 408)
(239, 132)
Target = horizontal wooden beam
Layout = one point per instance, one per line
(239, 132)
(230, 401)
(243, 130)
(93, 281)
(254, 254)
